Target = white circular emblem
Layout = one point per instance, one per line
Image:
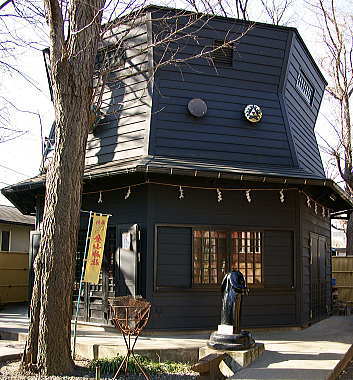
(253, 113)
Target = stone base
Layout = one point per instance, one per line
(231, 342)
(235, 360)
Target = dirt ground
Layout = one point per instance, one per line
(9, 371)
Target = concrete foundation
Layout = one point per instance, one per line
(100, 351)
(235, 360)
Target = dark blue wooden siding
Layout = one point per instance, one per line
(260, 75)
(223, 136)
(301, 115)
(123, 132)
(279, 259)
(312, 223)
(174, 266)
(275, 304)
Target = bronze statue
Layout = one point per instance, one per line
(229, 336)
(233, 287)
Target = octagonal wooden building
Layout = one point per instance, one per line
(196, 186)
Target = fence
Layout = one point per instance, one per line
(13, 277)
(342, 271)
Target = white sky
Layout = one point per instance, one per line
(23, 155)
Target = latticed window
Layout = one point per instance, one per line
(215, 252)
(210, 256)
(246, 255)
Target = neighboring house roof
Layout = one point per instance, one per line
(10, 214)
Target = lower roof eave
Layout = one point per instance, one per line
(146, 165)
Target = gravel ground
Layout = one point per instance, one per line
(9, 371)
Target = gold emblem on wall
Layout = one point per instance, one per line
(253, 113)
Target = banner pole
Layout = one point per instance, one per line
(81, 281)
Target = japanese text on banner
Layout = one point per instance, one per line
(96, 248)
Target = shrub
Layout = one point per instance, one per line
(111, 365)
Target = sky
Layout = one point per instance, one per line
(21, 157)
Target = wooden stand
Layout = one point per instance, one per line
(208, 367)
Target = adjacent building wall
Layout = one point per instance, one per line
(13, 277)
(19, 236)
(342, 271)
(14, 264)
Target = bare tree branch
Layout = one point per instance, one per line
(277, 10)
(3, 5)
(336, 32)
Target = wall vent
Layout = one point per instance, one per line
(224, 54)
(305, 88)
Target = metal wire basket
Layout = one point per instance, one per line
(129, 315)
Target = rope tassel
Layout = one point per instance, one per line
(181, 193)
(128, 193)
(219, 196)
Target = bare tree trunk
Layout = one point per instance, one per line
(29, 358)
(51, 316)
(72, 64)
(61, 218)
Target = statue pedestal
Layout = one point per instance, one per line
(224, 339)
(235, 360)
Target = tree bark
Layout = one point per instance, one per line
(29, 358)
(72, 64)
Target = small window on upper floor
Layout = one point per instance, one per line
(109, 58)
(305, 88)
(5, 241)
(222, 54)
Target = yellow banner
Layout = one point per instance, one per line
(96, 248)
